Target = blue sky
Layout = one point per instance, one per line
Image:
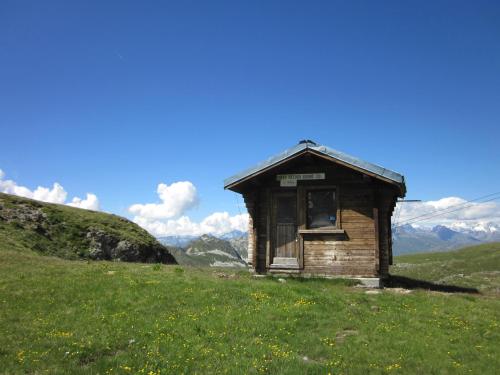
(114, 98)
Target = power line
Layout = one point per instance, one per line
(400, 208)
(396, 217)
(454, 206)
(446, 210)
(237, 203)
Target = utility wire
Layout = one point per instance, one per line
(237, 203)
(396, 217)
(399, 208)
(443, 212)
(452, 207)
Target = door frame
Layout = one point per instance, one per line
(273, 228)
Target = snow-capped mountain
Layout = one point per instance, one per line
(410, 239)
(487, 231)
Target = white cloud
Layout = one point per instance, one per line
(217, 223)
(221, 223)
(454, 212)
(169, 217)
(176, 199)
(56, 194)
(90, 203)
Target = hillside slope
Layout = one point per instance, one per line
(470, 267)
(74, 233)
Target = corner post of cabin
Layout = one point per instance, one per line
(301, 222)
(376, 221)
(385, 201)
(269, 203)
(393, 205)
(250, 203)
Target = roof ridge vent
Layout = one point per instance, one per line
(307, 141)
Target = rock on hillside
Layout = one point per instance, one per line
(74, 233)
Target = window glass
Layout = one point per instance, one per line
(321, 208)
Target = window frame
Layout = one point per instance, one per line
(335, 208)
(304, 229)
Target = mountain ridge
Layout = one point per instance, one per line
(211, 251)
(406, 238)
(412, 239)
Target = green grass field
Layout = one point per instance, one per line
(471, 267)
(59, 316)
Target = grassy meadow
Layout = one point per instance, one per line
(476, 267)
(59, 317)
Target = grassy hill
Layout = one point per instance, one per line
(74, 233)
(59, 316)
(471, 267)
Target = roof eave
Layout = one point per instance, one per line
(228, 184)
(370, 169)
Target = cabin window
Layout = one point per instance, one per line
(321, 208)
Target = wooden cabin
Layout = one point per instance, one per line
(315, 211)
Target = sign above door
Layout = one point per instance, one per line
(290, 180)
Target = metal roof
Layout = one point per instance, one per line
(305, 146)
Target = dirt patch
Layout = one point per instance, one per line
(399, 290)
(342, 335)
(223, 275)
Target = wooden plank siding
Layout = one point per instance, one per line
(352, 254)
(362, 248)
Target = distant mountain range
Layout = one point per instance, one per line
(413, 239)
(230, 249)
(177, 241)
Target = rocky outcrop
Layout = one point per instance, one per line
(24, 215)
(105, 246)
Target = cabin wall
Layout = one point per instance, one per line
(353, 253)
(365, 209)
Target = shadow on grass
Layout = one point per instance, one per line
(395, 281)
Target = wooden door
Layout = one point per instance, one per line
(285, 244)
